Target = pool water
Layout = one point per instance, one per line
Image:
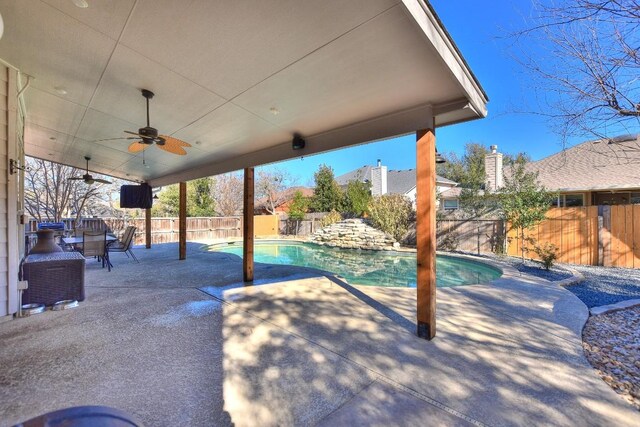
(368, 267)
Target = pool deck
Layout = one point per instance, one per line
(186, 343)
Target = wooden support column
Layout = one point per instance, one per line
(426, 231)
(182, 221)
(147, 228)
(247, 226)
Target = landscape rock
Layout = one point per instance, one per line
(611, 342)
(353, 234)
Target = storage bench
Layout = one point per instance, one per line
(53, 277)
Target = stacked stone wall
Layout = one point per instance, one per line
(353, 234)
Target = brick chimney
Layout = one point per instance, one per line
(379, 179)
(493, 175)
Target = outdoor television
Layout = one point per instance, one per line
(136, 196)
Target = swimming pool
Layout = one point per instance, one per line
(367, 267)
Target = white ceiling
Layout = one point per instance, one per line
(218, 69)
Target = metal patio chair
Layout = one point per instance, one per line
(94, 243)
(126, 242)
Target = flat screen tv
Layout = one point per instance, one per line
(136, 196)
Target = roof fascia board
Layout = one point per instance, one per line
(395, 124)
(610, 189)
(426, 19)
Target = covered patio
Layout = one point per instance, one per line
(240, 86)
(302, 347)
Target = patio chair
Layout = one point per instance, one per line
(94, 243)
(125, 243)
(78, 232)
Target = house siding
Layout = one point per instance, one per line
(9, 247)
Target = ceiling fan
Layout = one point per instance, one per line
(148, 136)
(87, 178)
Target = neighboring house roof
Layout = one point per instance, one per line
(401, 181)
(398, 181)
(592, 165)
(451, 193)
(362, 174)
(286, 196)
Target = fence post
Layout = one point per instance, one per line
(600, 260)
(604, 236)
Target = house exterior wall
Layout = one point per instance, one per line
(9, 247)
(595, 198)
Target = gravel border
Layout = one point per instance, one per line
(611, 343)
(597, 285)
(606, 285)
(534, 268)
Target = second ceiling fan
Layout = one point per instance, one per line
(149, 136)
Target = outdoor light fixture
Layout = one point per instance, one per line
(298, 142)
(439, 159)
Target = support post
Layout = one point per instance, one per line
(247, 226)
(182, 221)
(426, 232)
(147, 228)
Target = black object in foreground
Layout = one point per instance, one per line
(83, 416)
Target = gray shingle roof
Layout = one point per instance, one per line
(592, 165)
(398, 181)
(401, 181)
(361, 174)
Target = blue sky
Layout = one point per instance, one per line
(478, 29)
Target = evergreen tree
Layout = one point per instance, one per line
(199, 199)
(356, 198)
(327, 195)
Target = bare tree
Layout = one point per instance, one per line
(270, 187)
(590, 76)
(228, 194)
(50, 195)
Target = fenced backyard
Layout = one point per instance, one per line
(593, 235)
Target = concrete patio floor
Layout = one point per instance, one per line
(185, 343)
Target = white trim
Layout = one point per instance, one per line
(13, 257)
(434, 32)
(400, 123)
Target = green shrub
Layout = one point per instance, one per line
(330, 218)
(390, 213)
(547, 253)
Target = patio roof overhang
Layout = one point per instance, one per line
(233, 79)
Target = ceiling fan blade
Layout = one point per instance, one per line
(138, 146)
(115, 139)
(75, 179)
(175, 141)
(133, 133)
(173, 149)
(101, 181)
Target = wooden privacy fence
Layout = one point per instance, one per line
(164, 230)
(304, 227)
(593, 235)
(469, 235)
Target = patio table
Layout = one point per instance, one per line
(78, 240)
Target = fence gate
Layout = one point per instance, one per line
(624, 246)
